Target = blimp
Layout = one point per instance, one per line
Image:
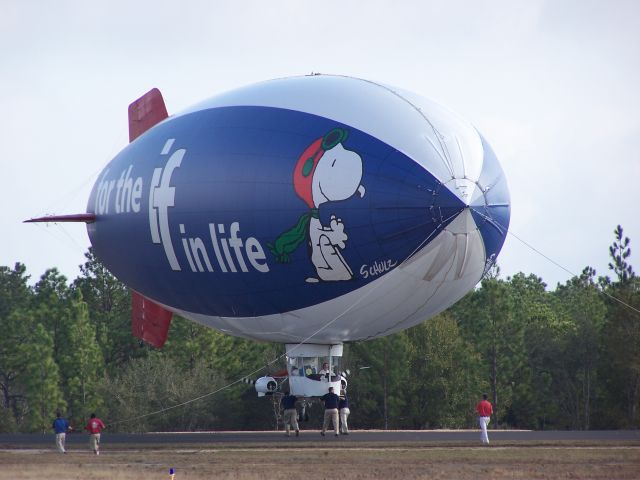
(310, 211)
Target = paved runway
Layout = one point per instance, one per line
(307, 436)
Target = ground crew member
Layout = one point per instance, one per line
(330, 411)
(484, 409)
(288, 403)
(95, 426)
(60, 426)
(343, 407)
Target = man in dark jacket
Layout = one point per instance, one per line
(288, 403)
(331, 401)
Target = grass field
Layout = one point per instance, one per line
(557, 460)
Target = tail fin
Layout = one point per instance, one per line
(146, 112)
(149, 321)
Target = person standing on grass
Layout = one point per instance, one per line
(95, 426)
(484, 409)
(60, 426)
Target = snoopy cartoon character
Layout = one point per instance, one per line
(325, 172)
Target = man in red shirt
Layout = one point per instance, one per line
(94, 426)
(484, 410)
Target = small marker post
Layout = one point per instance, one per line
(172, 474)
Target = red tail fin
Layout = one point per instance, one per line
(145, 112)
(149, 321)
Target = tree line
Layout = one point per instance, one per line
(567, 358)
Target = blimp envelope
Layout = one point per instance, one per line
(316, 209)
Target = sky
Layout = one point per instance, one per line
(554, 87)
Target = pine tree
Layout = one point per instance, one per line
(17, 324)
(81, 361)
(377, 384)
(445, 376)
(109, 302)
(41, 380)
(50, 307)
(584, 309)
(487, 317)
(622, 336)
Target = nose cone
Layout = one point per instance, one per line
(481, 204)
(477, 198)
(491, 207)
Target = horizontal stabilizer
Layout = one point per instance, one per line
(149, 321)
(76, 217)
